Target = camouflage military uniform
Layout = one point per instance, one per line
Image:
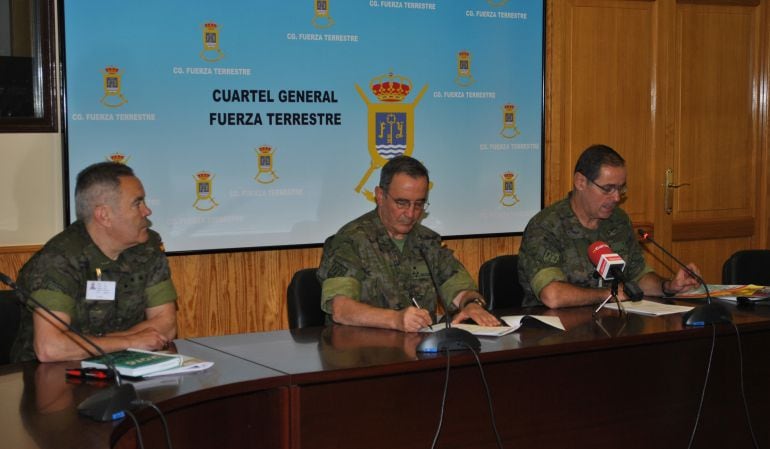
(56, 276)
(555, 248)
(362, 262)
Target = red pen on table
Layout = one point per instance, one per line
(90, 373)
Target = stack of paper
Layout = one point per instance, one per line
(513, 322)
(645, 307)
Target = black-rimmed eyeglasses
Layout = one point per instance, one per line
(406, 204)
(609, 189)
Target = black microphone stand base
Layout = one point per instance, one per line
(109, 404)
(449, 339)
(711, 313)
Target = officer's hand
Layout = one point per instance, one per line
(148, 339)
(478, 314)
(414, 319)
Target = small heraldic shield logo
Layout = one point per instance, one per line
(203, 191)
(211, 51)
(509, 197)
(112, 98)
(265, 173)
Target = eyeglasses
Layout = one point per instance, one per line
(609, 189)
(403, 204)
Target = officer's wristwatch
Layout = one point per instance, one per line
(478, 300)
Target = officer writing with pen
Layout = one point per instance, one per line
(385, 269)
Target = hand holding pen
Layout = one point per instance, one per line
(416, 304)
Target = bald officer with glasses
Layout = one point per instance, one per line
(384, 268)
(554, 268)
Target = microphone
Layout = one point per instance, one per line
(610, 267)
(449, 338)
(709, 313)
(107, 405)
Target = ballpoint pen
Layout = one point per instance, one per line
(414, 301)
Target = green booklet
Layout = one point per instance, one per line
(135, 362)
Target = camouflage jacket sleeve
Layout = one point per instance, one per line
(150, 260)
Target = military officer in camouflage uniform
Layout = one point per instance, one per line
(376, 271)
(554, 268)
(108, 253)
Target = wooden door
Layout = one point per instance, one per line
(678, 86)
(715, 112)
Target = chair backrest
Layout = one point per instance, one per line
(499, 282)
(751, 266)
(10, 315)
(304, 300)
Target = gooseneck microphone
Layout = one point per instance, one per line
(107, 405)
(709, 313)
(449, 338)
(610, 267)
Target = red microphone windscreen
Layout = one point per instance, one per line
(596, 249)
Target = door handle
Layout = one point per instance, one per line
(668, 196)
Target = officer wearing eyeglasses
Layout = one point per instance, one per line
(385, 269)
(554, 268)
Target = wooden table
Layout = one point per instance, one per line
(614, 382)
(247, 402)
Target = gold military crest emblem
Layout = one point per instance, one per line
(113, 97)
(391, 123)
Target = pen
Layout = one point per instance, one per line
(90, 373)
(414, 301)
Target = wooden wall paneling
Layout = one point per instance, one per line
(475, 251)
(12, 258)
(554, 185)
(762, 239)
(716, 76)
(762, 236)
(236, 292)
(612, 84)
(709, 253)
(717, 140)
(607, 56)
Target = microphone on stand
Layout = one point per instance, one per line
(709, 313)
(107, 405)
(449, 338)
(610, 267)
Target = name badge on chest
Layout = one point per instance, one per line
(100, 290)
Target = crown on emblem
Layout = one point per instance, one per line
(210, 25)
(464, 54)
(203, 175)
(390, 87)
(509, 107)
(265, 149)
(111, 70)
(117, 158)
(508, 175)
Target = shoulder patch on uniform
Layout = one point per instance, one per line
(337, 270)
(551, 256)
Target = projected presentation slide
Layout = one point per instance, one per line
(266, 124)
